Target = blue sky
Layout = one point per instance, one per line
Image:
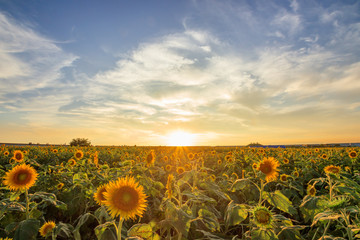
(133, 72)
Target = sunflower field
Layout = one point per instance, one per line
(62, 192)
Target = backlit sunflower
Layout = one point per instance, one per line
(79, 154)
(262, 217)
(20, 177)
(47, 228)
(150, 158)
(126, 198)
(18, 155)
(268, 166)
(169, 183)
(332, 169)
(99, 194)
(353, 154)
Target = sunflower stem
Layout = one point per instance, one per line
(27, 204)
(121, 220)
(261, 190)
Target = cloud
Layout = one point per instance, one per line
(27, 59)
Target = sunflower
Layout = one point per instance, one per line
(254, 165)
(79, 154)
(60, 186)
(324, 156)
(311, 190)
(219, 162)
(168, 168)
(295, 173)
(169, 182)
(47, 228)
(99, 194)
(268, 166)
(190, 156)
(187, 167)
(6, 153)
(283, 177)
(212, 177)
(166, 158)
(20, 177)
(262, 217)
(180, 170)
(332, 169)
(150, 158)
(286, 161)
(126, 198)
(18, 155)
(353, 154)
(72, 162)
(6, 238)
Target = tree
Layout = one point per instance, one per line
(82, 142)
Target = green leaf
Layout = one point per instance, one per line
(27, 229)
(240, 184)
(280, 201)
(144, 231)
(209, 219)
(235, 214)
(263, 234)
(82, 220)
(105, 231)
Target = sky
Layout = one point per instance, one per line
(223, 72)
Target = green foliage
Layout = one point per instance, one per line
(80, 142)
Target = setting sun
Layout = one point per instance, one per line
(180, 138)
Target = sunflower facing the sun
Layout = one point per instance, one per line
(20, 177)
(126, 198)
(268, 166)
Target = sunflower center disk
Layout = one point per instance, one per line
(265, 168)
(126, 199)
(18, 156)
(22, 177)
(263, 217)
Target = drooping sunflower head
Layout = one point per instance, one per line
(311, 190)
(47, 228)
(352, 154)
(332, 169)
(268, 166)
(21, 177)
(150, 158)
(18, 155)
(169, 183)
(262, 217)
(126, 198)
(79, 154)
(99, 194)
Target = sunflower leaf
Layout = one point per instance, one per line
(27, 229)
(280, 201)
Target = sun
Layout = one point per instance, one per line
(180, 138)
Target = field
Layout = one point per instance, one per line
(179, 193)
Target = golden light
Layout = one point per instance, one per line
(180, 138)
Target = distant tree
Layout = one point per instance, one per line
(255, 145)
(82, 142)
